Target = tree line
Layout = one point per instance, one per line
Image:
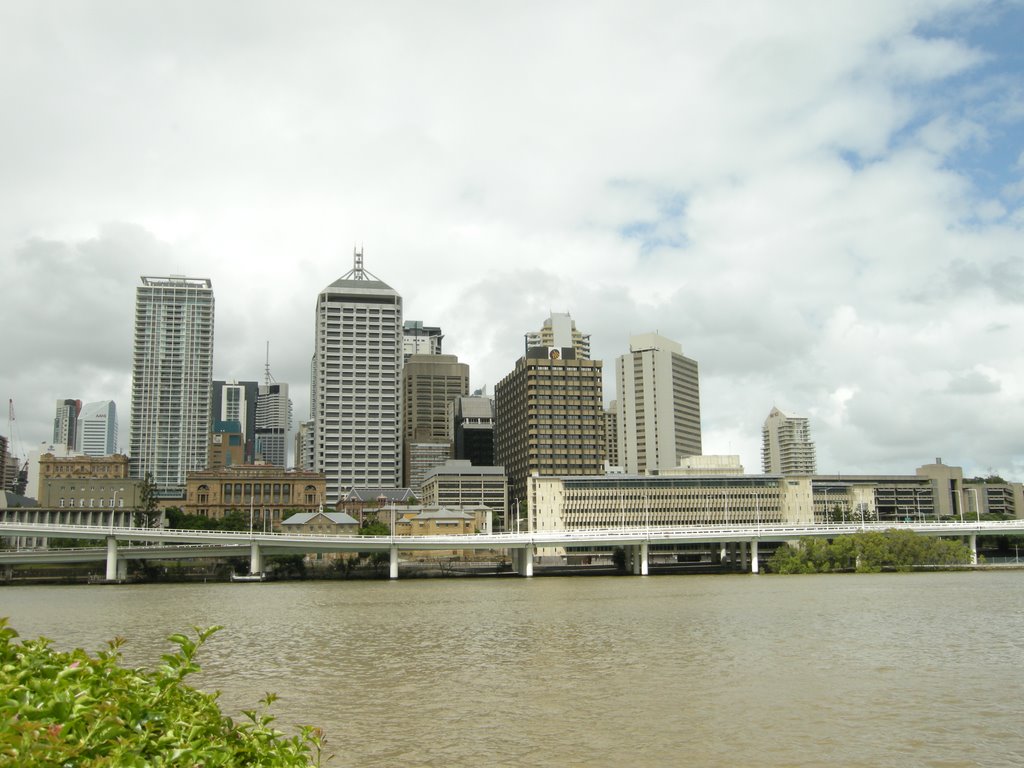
(868, 552)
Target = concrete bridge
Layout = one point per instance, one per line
(636, 541)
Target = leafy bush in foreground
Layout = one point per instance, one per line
(72, 709)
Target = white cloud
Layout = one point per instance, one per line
(776, 186)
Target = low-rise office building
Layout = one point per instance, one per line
(458, 483)
(90, 493)
(935, 492)
(86, 482)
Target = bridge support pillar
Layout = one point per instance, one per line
(754, 567)
(393, 562)
(743, 555)
(526, 561)
(723, 553)
(644, 551)
(972, 542)
(112, 564)
(255, 559)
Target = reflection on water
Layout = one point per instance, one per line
(851, 670)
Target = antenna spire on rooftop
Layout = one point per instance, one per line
(358, 272)
(268, 378)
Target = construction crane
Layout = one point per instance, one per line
(16, 449)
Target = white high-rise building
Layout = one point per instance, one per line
(420, 339)
(172, 374)
(559, 331)
(358, 362)
(787, 448)
(65, 423)
(97, 429)
(273, 422)
(657, 404)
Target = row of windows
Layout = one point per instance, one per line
(92, 503)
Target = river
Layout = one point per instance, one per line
(723, 670)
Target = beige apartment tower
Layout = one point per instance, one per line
(549, 418)
(560, 331)
(657, 404)
(787, 448)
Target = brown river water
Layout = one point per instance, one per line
(717, 670)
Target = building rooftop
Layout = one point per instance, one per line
(437, 513)
(463, 467)
(338, 518)
(475, 407)
(396, 495)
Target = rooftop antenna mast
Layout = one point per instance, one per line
(268, 378)
(358, 272)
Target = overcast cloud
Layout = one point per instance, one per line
(822, 202)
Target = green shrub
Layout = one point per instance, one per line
(72, 709)
(868, 552)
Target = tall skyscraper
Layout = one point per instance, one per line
(611, 435)
(172, 365)
(472, 419)
(420, 339)
(559, 331)
(65, 423)
(97, 429)
(549, 418)
(358, 360)
(236, 401)
(273, 422)
(787, 448)
(429, 384)
(305, 440)
(658, 403)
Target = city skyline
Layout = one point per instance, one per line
(824, 210)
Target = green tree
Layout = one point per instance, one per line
(867, 552)
(234, 520)
(147, 513)
(375, 528)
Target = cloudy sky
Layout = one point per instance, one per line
(821, 201)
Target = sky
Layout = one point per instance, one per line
(823, 203)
